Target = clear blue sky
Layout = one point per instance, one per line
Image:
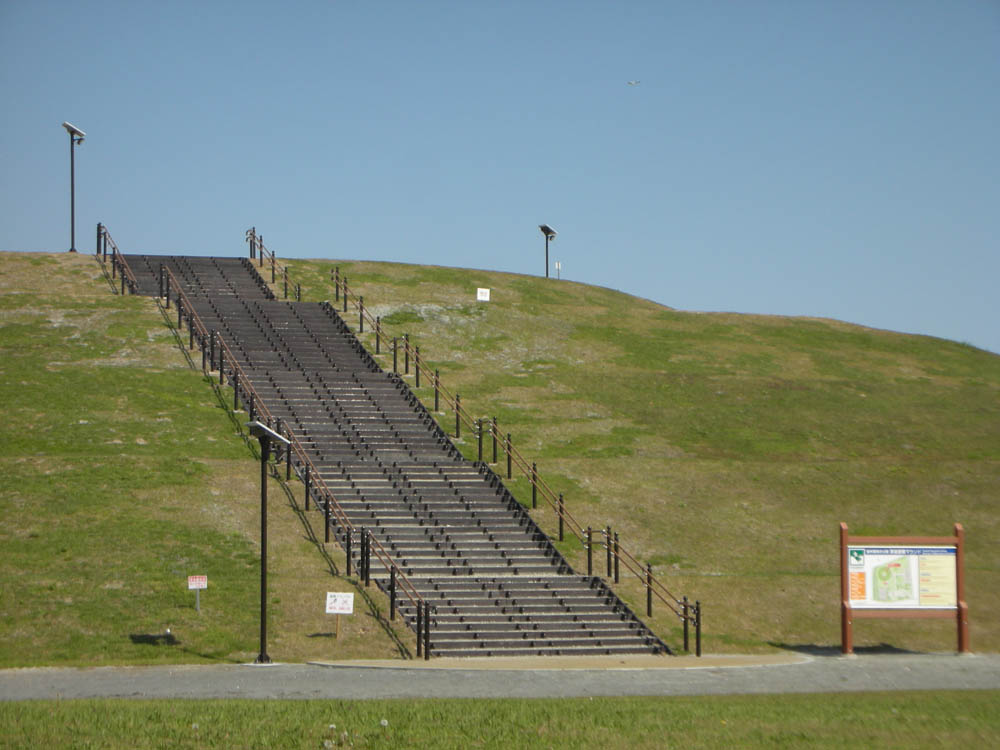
(837, 159)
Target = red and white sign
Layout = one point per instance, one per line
(197, 582)
(339, 604)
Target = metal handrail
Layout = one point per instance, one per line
(632, 564)
(316, 479)
(118, 261)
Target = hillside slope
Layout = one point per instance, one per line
(125, 472)
(725, 449)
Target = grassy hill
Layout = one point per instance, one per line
(724, 449)
(124, 472)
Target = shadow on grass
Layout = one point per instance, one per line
(814, 649)
(153, 639)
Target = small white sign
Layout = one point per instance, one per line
(196, 583)
(339, 604)
(482, 295)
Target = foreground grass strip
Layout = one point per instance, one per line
(886, 720)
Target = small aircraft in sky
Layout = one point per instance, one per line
(634, 83)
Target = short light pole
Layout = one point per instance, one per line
(76, 137)
(550, 234)
(265, 435)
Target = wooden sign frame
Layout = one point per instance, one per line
(960, 612)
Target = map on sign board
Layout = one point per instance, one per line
(904, 577)
(339, 604)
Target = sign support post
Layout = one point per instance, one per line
(902, 577)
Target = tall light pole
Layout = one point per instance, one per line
(76, 137)
(550, 234)
(265, 435)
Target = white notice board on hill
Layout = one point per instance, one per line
(339, 604)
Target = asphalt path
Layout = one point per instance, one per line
(543, 678)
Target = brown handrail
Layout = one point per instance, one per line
(316, 479)
(653, 584)
(118, 263)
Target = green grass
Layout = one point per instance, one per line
(890, 720)
(725, 449)
(125, 472)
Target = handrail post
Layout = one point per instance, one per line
(560, 507)
(211, 345)
(437, 390)
(590, 552)
(361, 314)
(509, 474)
(190, 329)
(236, 391)
(392, 593)
(285, 279)
(306, 481)
(272, 267)
(97, 251)
(348, 538)
(298, 292)
(495, 433)
(458, 416)
(326, 519)
(368, 555)
(344, 282)
(336, 283)
(416, 366)
(686, 616)
(697, 628)
(204, 353)
(534, 485)
(159, 288)
(617, 555)
(427, 631)
(395, 355)
(607, 546)
(378, 334)
(479, 434)
(649, 590)
(420, 629)
(406, 354)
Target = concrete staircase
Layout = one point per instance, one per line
(494, 581)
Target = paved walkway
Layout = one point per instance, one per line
(515, 678)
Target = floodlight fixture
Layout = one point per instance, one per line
(550, 234)
(265, 435)
(76, 137)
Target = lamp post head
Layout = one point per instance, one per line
(261, 431)
(74, 132)
(549, 232)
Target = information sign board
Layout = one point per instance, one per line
(196, 583)
(483, 295)
(339, 604)
(902, 577)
